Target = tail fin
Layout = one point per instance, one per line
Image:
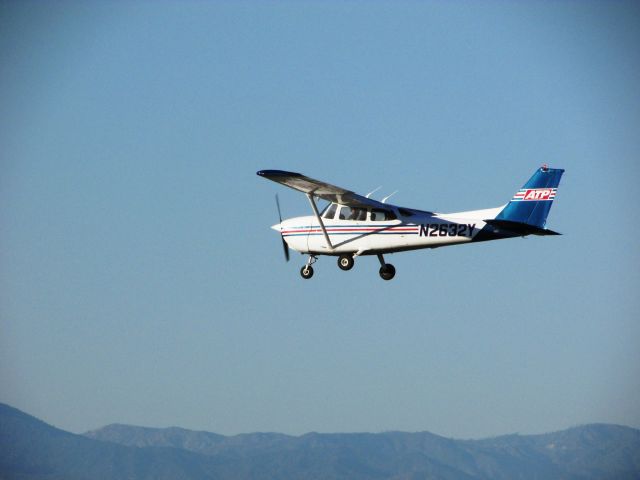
(531, 204)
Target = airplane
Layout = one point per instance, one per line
(353, 225)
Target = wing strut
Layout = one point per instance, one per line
(317, 214)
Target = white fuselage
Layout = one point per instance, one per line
(381, 231)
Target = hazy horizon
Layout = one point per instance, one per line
(169, 427)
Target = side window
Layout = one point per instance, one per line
(345, 213)
(331, 212)
(357, 214)
(382, 215)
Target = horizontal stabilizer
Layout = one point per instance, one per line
(520, 228)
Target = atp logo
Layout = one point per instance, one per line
(534, 194)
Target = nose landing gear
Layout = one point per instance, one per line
(307, 270)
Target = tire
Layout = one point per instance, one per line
(345, 262)
(306, 272)
(387, 271)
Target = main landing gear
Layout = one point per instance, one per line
(346, 262)
(387, 271)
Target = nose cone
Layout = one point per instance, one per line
(277, 227)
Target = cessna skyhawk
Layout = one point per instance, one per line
(353, 225)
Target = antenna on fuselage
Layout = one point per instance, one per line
(373, 191)
(384, 200)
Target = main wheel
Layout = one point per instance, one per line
(306, 272)
(345, 262)
(387, 271)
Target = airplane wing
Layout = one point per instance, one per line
(319, 189)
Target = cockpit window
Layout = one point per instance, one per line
(379, 215)
(406, 213)
(353, 213)
(330, 212)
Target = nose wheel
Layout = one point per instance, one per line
(307, 270)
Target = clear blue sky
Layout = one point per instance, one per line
(140, 282)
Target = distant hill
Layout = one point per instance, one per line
(31, 449)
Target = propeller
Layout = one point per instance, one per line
(284, 244)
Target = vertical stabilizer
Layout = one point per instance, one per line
(531, 204)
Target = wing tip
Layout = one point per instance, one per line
(277, 173)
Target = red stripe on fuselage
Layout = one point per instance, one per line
(353, 229)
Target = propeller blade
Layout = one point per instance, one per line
(284, 243)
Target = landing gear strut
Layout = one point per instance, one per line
(307, 270)
(345, 262)
(387, 271)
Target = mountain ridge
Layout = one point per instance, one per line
(31, 449)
